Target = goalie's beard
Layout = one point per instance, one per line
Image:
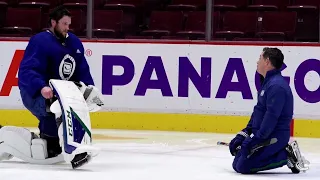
(59, 35)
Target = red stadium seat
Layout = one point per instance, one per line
(306, 2)
(4, 3)
(307, 19)
(247, 39)
(278, 26)
(238, 24)
(175, 37)
(123, 4)
(37, 3)
(186, 5)
(225, 5)
(164, 23)
(196, 25)
(18, 21)
(75, 4)
(78, 22)
(138, 37)
(269, 5)
(105, 27)
(3, 9)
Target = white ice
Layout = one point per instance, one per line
(151, 155)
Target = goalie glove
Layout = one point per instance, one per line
(92, 95)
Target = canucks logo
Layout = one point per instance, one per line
(67, 67)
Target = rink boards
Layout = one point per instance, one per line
(179, 86)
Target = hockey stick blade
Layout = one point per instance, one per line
(222, 143)
(264, 144)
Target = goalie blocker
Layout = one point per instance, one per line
(71, 108)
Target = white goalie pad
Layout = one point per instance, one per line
(21, 143)
(75, 129)
(91, 95)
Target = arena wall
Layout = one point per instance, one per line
(177, 85)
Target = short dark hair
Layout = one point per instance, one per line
(58, 13)
(275, 56)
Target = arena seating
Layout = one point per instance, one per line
(269, 20)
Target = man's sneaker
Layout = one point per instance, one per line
(296, 162)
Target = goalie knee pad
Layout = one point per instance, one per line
(73, 120)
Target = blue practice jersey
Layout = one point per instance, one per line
(48, 58)
(274, 111)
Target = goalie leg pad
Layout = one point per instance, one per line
(17, 138)
(4, 156)
(75, 128)
(21, 143)
(80, 156)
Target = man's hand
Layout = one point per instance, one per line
(47, 92)
(249, 143)
(236, 142)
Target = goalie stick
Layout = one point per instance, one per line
(254, 149)
(266, 143)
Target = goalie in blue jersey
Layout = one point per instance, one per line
(264, 143)
(51, 54)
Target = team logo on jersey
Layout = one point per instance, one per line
(67, 67)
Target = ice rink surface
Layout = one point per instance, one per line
(150, 155)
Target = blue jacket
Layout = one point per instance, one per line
(47, 58)
(273, 112)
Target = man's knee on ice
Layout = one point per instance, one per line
(235, 162)
(255, 164)
(243, 167)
